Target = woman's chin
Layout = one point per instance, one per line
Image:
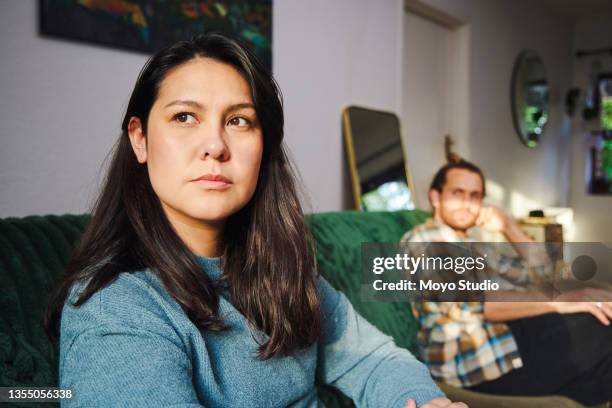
(212, 215)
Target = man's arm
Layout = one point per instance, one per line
(529, 304)
(518, 305)
(495, 219)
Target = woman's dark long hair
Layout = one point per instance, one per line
(268, 261)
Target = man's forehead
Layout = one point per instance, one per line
(464, 179)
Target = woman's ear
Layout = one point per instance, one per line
(138, 139)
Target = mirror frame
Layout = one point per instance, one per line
(347, 133)
(515, 117)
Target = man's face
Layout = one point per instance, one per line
(460, 200)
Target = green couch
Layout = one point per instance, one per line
(35, 249)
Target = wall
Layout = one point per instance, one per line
(328, 55)
(521, 178)
(62, 104)
(63, 101)
(592, 213)
(435, 91)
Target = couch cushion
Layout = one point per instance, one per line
(338, 238)
(33, 251)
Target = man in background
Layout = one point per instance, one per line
(511, 348)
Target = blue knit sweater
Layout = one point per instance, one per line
(131, 345)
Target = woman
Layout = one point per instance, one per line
(193, 284)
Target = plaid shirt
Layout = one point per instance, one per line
(459, 346)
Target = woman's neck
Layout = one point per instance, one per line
(201, 237)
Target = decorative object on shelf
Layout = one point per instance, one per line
(529, 97)
(379, 174)
(541, 228)
(147, 25)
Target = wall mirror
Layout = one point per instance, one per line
(379, 175)
(529, 97)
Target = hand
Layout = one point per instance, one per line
(493, 219)
(587, 300)
(437, 403)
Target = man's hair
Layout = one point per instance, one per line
(439, 179)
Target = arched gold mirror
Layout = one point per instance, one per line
(529, 97)
(379, 175)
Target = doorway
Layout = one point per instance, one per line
(435, 91)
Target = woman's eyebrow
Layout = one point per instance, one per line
(231, 108)
(184, 102)
(238, 106)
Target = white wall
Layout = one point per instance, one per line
(62, 102)
(328, 55)
(498, 31)
(435, 91)
(593, 214)
(61, 110)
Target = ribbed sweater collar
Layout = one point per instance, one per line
(211, 265)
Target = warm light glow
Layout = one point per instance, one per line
(520, 204)
(565, 217)
(495, 193)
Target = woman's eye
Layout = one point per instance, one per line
(239, 121)
(185, 117)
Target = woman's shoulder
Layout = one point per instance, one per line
(132, 316)
(135, 299)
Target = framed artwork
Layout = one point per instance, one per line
(148, 25)
(599, 176)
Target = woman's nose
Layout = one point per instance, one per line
(213, 145)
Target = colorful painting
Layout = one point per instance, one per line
(148, 25)
(599, 179)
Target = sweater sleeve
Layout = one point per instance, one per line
(117, 351)
(365, 364)
(118, 366)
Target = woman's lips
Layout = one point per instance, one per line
(213, 182)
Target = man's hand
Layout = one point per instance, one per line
(577, 301)
(437, 403)
(493, 219)
(496, 220)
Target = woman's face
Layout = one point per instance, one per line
(204, 143)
